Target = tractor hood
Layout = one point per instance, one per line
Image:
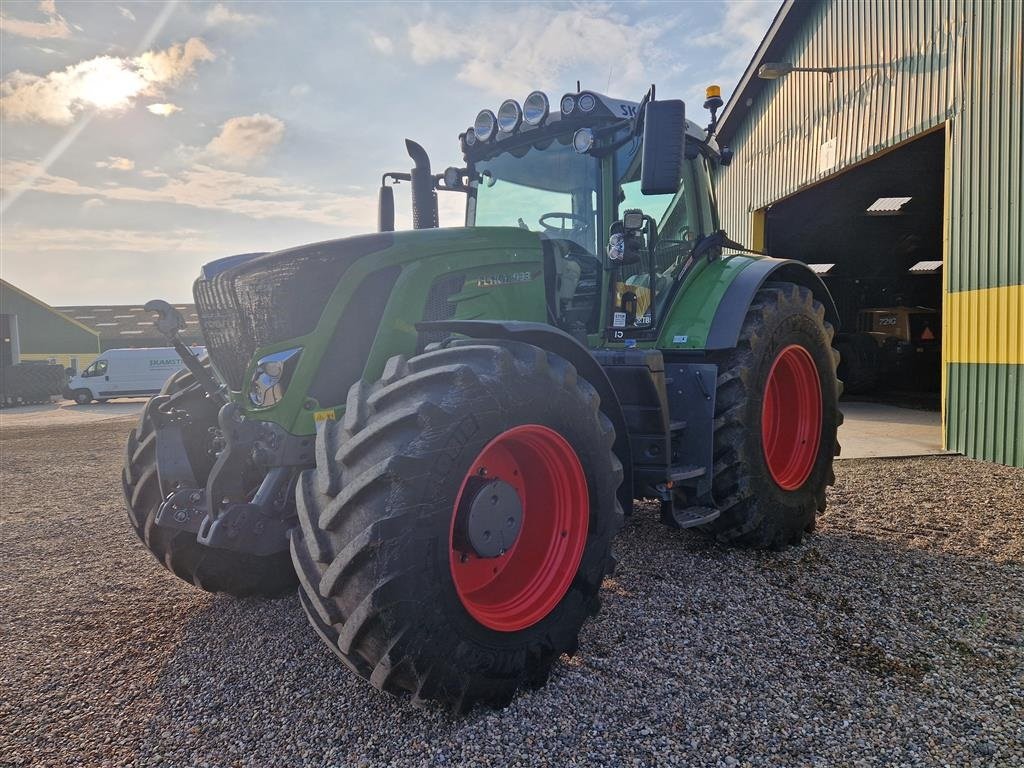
(252, 301)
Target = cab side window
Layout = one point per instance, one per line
(99, 368)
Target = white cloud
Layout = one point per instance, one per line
(164, 110)
(243, 140)
(126, 13)
(549, 48)
(220, 15)
(383, 44)
(172, 65)
(217, 189)
(53, 27)
(300, 90)
(740, 31)
(83, 240)
(106, 83)
(92, 203)
(117, 163)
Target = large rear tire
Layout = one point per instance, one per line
(388, 577)
(213, 570)
(776, 418)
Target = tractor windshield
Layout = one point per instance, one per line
(550, 189)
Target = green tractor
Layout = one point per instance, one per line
(436, 433)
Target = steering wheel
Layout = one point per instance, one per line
(580, 224)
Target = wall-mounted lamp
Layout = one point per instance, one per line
(776, 69)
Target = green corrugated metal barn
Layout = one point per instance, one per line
(895, 167)
(35, 331)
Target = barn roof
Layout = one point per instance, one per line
(128, 325)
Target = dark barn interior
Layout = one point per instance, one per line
(872, 252)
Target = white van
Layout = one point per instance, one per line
(126, 373)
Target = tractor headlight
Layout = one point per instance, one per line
(271, 377)
(568, 104)
(583, 140)
(535, 108)
(485, 126)
(469, 137)
(509, 116)
(587, 102)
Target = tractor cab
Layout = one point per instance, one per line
(571, 175)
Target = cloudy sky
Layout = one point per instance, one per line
(140, 140)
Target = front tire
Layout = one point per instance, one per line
(776, 418)
(83, 396)
(213, 570)
(388, 576)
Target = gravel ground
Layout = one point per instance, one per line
(895, 635)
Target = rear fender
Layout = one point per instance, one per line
(562, 344)
(732, 309)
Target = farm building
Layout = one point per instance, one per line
(35, 331)
(881, 142)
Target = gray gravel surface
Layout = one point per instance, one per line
(894, 636)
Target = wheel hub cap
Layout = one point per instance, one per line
(519, 528)
(489, 519)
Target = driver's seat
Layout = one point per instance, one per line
(577, 284)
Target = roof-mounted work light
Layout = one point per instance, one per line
(510, 115)
(485, 126)
(535, 108)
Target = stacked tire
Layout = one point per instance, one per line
(30, 383)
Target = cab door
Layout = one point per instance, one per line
(97, 377)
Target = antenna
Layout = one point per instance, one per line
(578, 89)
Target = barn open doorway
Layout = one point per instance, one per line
(874, 235)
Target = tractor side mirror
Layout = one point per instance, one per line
(386, 209)
(664, 140)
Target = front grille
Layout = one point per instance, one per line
(229, 346)
(272, 298)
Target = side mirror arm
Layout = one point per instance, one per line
(169, 322)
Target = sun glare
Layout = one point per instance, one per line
(108, 84)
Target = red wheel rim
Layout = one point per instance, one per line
(791, 417)
(522, 586)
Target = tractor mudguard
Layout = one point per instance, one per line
(732, 309)
(560, 343)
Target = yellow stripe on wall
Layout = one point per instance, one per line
(64, 359)
(985, 326)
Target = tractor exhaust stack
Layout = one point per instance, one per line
(424, 198)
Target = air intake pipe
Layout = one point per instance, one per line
(424, 198)
(386, 208)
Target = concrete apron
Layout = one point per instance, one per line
(873, 430)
